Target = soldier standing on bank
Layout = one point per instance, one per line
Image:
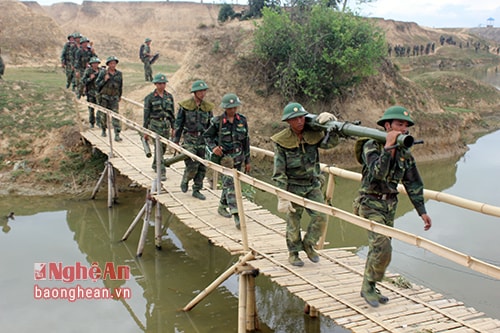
(384, 166)
(297, 170)
(89, 83)
(109, 84)
(193, 119)
(66, 56)
(159, 116)
(228, 137)
(145, 58)
(73, 51)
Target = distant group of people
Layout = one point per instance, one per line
(296, 159)
(102, 85)
(406, 51)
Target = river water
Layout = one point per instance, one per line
(73, 233)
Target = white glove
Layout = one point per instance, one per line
(285, 206)
(325, 117)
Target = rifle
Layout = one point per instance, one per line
(353, 129)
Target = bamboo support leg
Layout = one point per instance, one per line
(145, 225)
(252, 321)
(134, 223)
(99, 182)
(223, 277)
(241, 211)
(329, 195)
(110, 186)
(158, 227)
(242, 304)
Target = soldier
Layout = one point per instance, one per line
(2, 65)
(228, 137)
(66, 56)
(193, 118)
(88, 81)
(82, 57)
(384, 166)
(109, 84)
(297, 170)
(73, 51)
(145, 58)
(159, 115)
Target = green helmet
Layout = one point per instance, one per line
(230, 101)
(293, 110)
(112, 58)
(77, 35)
(199, 85)
(396, 112)
(160, 78)
(70, 36)
(94, 60)
(147, 40)
(84, 40)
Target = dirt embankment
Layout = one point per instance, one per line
(189, 35)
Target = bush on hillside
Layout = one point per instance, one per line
(317, 54)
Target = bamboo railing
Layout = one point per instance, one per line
(440, 250)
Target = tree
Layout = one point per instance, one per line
(226, 12)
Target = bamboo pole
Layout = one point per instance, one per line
(252, 320)
(145, 225)
(242, 304)
(328, 199)
(158, 227)
(134, 223)
(110, 185)
(99, 182)
(241, 210)
(223, 277)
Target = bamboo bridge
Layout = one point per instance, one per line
(330, 287)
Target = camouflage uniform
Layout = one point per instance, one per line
(73, 50)
(91, 92)
(66, 60)
(82, 57)
(148, 71)
(192, 120)
(110, 92)
(159, 118)
(297, 170)
(2, 67)
(378, 197)
(235, 143)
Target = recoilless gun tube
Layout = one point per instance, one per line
(145, 145)
(353, 129)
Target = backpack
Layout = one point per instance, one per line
(140, 51)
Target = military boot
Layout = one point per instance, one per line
(222, 210)
(184, 186)
(311, 254)
(197, 194)
(117, 137)
(103, 133)
(163, 175)
(381, 298)
(237, 221)
(369, 294)
(295, 260)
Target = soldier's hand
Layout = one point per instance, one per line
(77, 74)
(391, 137)
(248, 167)
(427, 221)
(218, 150)
(146, 137)
(106, 77)
(285, 206)
(325, 117)
(92, 76)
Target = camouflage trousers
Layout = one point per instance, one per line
(161, 127)
(148, 70)
(92, 118)
(317, 219)
(379, 246)
(79, 84)
(194, 169)
(228, 197)
(109, 102)
(69, 76)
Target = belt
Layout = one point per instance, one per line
(380, 196)
(194, 133)
(160, 118)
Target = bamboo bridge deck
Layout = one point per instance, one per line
(330, 286)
